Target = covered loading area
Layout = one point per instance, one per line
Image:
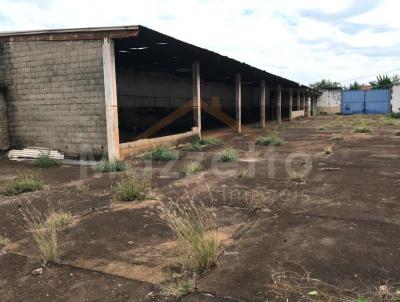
(168, 90)
(157, 89)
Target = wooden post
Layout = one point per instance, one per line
(290, 103)
(262, 103)
(110, 94)
(196, 97)
(238, 96)
(298, 107)
(279, 104)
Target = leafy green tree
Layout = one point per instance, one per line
(355, 86)
(384, 81)
(326, 84)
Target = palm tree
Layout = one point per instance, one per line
(384, 81)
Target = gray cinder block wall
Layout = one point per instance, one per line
(55, 95)
(4, 142)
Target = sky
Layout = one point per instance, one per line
(303, 40)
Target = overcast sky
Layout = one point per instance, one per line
(304, 40)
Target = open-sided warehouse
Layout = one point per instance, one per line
(118, 91)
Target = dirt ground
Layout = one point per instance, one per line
(341, 225)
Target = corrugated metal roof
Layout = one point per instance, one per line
(131, 31)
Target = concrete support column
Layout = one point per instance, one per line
(262, 103)
(196, 97)
(298, 106)
(308, 105)
(110, 93)
(238, 98)
(303, 101)
(290, 104)
(279, 104)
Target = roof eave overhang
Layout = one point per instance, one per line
(71, 34)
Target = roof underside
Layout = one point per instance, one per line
(146, 49)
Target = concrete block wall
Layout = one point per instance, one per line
(4, 141)
(396, 98)
(329, 101)
(55, 95)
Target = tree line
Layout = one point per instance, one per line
(382, 81)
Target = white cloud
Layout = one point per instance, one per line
(303, 40)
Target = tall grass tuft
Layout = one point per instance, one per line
(194, 227)
(131, 188)
(362, 130)
(179, 288)
(269, 141)
(194, 146)
(191, 168)
(45, 161)
(3, 242)
(163, 153)
(337, 137)
(60, 219)
(110, 166)
(228, 155)
(77, 187)
(199, 144)
(395, 115)
(328, 150)
(297, 172)
(211, 141)
(25, 182)
(44, 233)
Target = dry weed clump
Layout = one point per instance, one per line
(60, 219)
(228, 154)
(328, 150)
(28, 181)
(179, 287)
(297, 174)
(297, 285)
(194, 227)
(77, 187)
(3, 241)
(44, 232)
(131, 188)
(191, 168)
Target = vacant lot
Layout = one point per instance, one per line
(315, 218)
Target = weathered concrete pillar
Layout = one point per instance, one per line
(279, 104)
(303, 101)
(298, 107)
(308, 106)
(238, 97)
(290, 104)
(196, 97)
(262, 103)
(110, 92)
